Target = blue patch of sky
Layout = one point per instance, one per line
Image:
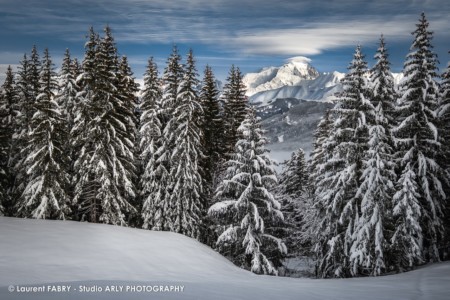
(250, 34)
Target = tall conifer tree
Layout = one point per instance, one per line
(339, 203)
(444, 127)
(183, 132)
(246, 204)
(8, 114)
(418, 203)
(293, 189)
(47, 179)
(235, 103)
(105, 166)
(25, 104)
(67, 89)
(211, 125)
(154, 175)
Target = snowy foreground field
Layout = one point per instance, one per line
(93, 261)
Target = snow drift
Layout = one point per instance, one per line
(42, 252)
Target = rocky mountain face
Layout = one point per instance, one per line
(291, 100)
(297, 78)
(290, 124)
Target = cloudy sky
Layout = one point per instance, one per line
(248, 33)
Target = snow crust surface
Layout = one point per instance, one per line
(41, 252)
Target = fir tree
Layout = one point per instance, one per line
(382, 85)
(321, 150)
(292, 191)
(368, 251)
(87, 209)
(46, 164)
(163, 207)
(154, 174)
(295, 176)
(246, 204)
(338, 203)
(75, 68)
(34, 74)
(127, 91)
(8, 113)
(319, 169)
(418, 144)
(211, 125)
(235, 103)
(25, 108)
(105, 166)
(444, 127)
(182, 131)
(67, 89)
(173, 74)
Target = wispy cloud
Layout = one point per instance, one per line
(321, 36)
(235, 27)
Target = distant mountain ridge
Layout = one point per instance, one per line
(291, 99)
(293, 72)
(297, 78)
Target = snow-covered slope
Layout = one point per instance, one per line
(42, 253)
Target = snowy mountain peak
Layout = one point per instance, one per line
(294, 71)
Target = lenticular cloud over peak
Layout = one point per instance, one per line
(299, 59)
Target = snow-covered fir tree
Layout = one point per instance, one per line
(67, 89)
(171, 79)
(8, 113)
(127, 92)
(335, 193)
(211, 125)
(321, 150)
(294, 177)
(154, 174)
(78, 133)
(105, 165)
(234, 105)
(293, 191)
(183, 132)
(320, 156)
(245, 203)
(444, 130)
(34, 74)
(25, 106)
(45, 195)
(382, 85)
(418, 203)
(369, 248)
(67, 100)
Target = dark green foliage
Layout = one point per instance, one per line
(443, 157)
(418, 144)
(245, 206)
(235, 103)
(292, 190)
(45, 193)
(211, 125)
(8, 115)
(105, 166)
